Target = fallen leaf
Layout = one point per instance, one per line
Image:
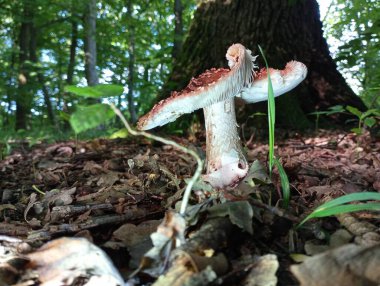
(62, 261)
(240, 213)
(263, 273)
(348, 265)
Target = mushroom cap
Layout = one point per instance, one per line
(212, 86)
(282, 82)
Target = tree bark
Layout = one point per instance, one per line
(90, 43)
(24, 96)
(73, 50)
(178, 29)
(40, 76)
(131, 63)
(285, 31)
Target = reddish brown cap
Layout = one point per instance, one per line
(212, 86)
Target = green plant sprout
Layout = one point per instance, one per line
(271, 122)
(331, 110)
(366, 118)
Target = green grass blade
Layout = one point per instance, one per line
(337, 205)
(364, 196)
(342, 209)
(271, 114)
(284, 183)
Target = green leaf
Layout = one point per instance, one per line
(335, 109)
(348, 208)
(357, 130)
(284, 182)
(122, 133)
(354, 111)
(370, 121)
(369, 112)
(64, 115)
(338, 205)
(332, 110)
(363, 196)
(97, 91)
(271, 114)
(342, 209)
(87, 117)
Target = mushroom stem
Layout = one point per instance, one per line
(226, 163)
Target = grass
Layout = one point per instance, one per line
(271, 124)
(341, 205)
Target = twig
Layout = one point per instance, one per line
(275, 210)
(50, 231)
(197, 172)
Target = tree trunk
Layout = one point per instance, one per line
(178, 29)
(73, 49)
(24, 96)
(285, 31)
(73, 53)
(131, 63)
(90, 43)
(40, 76)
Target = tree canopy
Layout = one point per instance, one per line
(43, 47)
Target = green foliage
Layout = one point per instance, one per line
(271, 122)
(284, 183)
(122, 133)
(354, 24)
(271, 115)
(340, 205)
(52, 24)
(87, 117)
(5, 147)
(367, 118)
(98, 91)
(331, 110)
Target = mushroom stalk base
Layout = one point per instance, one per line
(226, 163)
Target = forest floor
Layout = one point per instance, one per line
(116, 192)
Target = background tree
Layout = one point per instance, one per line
(286, 31)
(90, 43)
(42, 49)
(178, 29)
(355, 26)
(131, 61)
(24, 96)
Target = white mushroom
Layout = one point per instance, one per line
(212, 86)
(226, 163)
(214, 91)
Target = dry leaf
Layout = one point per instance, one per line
(349, 265)
(62, 261)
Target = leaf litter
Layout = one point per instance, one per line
(116, 192)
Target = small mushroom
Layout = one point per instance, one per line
(214, 91)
